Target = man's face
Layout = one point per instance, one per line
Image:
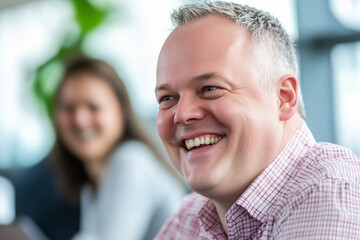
(219, 126)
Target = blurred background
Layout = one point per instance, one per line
(37, 36)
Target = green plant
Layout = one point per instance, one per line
(87, 17)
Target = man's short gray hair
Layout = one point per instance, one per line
(274, 50)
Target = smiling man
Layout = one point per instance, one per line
(231, 119)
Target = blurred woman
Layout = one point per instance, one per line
(105, 161)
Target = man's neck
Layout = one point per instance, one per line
(222, 206)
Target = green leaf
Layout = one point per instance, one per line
(88, 16)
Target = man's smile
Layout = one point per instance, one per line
(201, 141)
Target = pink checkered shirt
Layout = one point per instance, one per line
(310, 191)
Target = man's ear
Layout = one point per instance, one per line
(288, 97)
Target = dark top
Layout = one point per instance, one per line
(37, 196)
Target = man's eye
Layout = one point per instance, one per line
(209, 88)
(165, 98)
(211, 92)
(166, 102)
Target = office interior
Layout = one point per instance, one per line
(129, 35)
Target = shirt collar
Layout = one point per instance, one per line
(208, 217)
(261, 195)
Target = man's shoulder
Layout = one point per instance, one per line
(324, 168)
(326, 150)
(330, 161)
(325, 191)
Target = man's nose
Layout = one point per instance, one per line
(188, 110)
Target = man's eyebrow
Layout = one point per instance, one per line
(162, 87)
(199, 78)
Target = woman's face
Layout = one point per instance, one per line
(89, 117)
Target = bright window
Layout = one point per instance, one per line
(346, 70)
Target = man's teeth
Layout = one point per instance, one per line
(191, 143)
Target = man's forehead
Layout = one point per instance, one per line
(206, 37)
(210, 44)
(214, 26)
